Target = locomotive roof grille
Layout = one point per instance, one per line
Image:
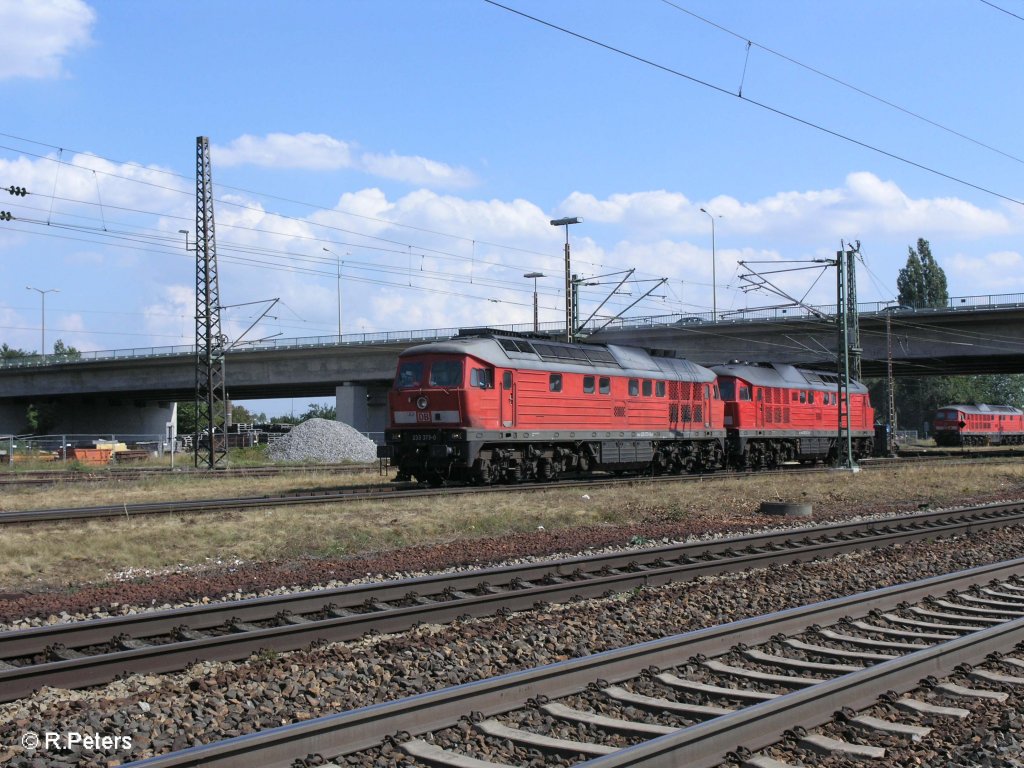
(552, 351)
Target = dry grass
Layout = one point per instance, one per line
(88, 552)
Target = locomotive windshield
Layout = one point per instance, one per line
(728, 388)
(410, 375)
(446, 373)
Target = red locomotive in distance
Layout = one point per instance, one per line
(779, 413)
(981, 424)
(490, 407)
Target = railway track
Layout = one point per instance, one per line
(87, 653)
(378, 491)
(116, 474)
(695, 698)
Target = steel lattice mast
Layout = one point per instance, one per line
(211, 399)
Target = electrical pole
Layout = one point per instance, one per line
(570, 309)
(211, 399)
(844, 440)
(890, 390)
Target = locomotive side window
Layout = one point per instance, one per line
(744, 392)
(446, 373)
(481, 377)
(555, 382)
(604, 385)
(409, 375)
(634, 387)
(659, 388)
(648, 388)
(760, 395)
(810, 398)
(803, 396)
(718, 394)
(794, 397)
(506, 380)
(588, 385)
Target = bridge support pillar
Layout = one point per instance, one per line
(12, 418)
(364, 408)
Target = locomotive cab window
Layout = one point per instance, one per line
(648, 387)
(803, 396)
(506, 380)
(446, 373)
(760, 395)
(744, 392)
(659, 388)
(634, 387)
(604, 385)
(482, 378)
(588, 385)
(810, 398)
(728, 389)
(555, 382)
(409, 375)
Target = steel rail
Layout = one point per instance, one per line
(707, 744)
(360, 729)
(509, 588)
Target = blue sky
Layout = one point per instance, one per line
(427, 144)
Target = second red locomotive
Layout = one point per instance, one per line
(779, 413)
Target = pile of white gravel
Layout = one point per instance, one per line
(325, 441)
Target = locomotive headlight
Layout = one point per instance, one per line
(421, 402)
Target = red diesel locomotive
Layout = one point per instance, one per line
(490, 407)
(981, 424)
(778, 413)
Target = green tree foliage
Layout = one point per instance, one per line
(242, 415)
(315, 411)
(922, 282)
(187, 418)
(10, 353)
(59, 348)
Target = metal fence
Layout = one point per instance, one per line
(14, 448)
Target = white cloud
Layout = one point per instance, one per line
(416, 170)
(37, 35)
(320, 152)
(865, 205)
(308, 151)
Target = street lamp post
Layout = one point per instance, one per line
(42, 314)
(569, 313)
(714, 282)
(339, 263)
(535, 275)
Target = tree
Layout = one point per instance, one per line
(922, 282)
(10, 353)
(59, 348)
(315, 411)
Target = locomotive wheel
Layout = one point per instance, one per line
(545, 471)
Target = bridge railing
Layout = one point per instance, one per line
(989, 301)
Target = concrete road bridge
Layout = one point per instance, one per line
(135, 390)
